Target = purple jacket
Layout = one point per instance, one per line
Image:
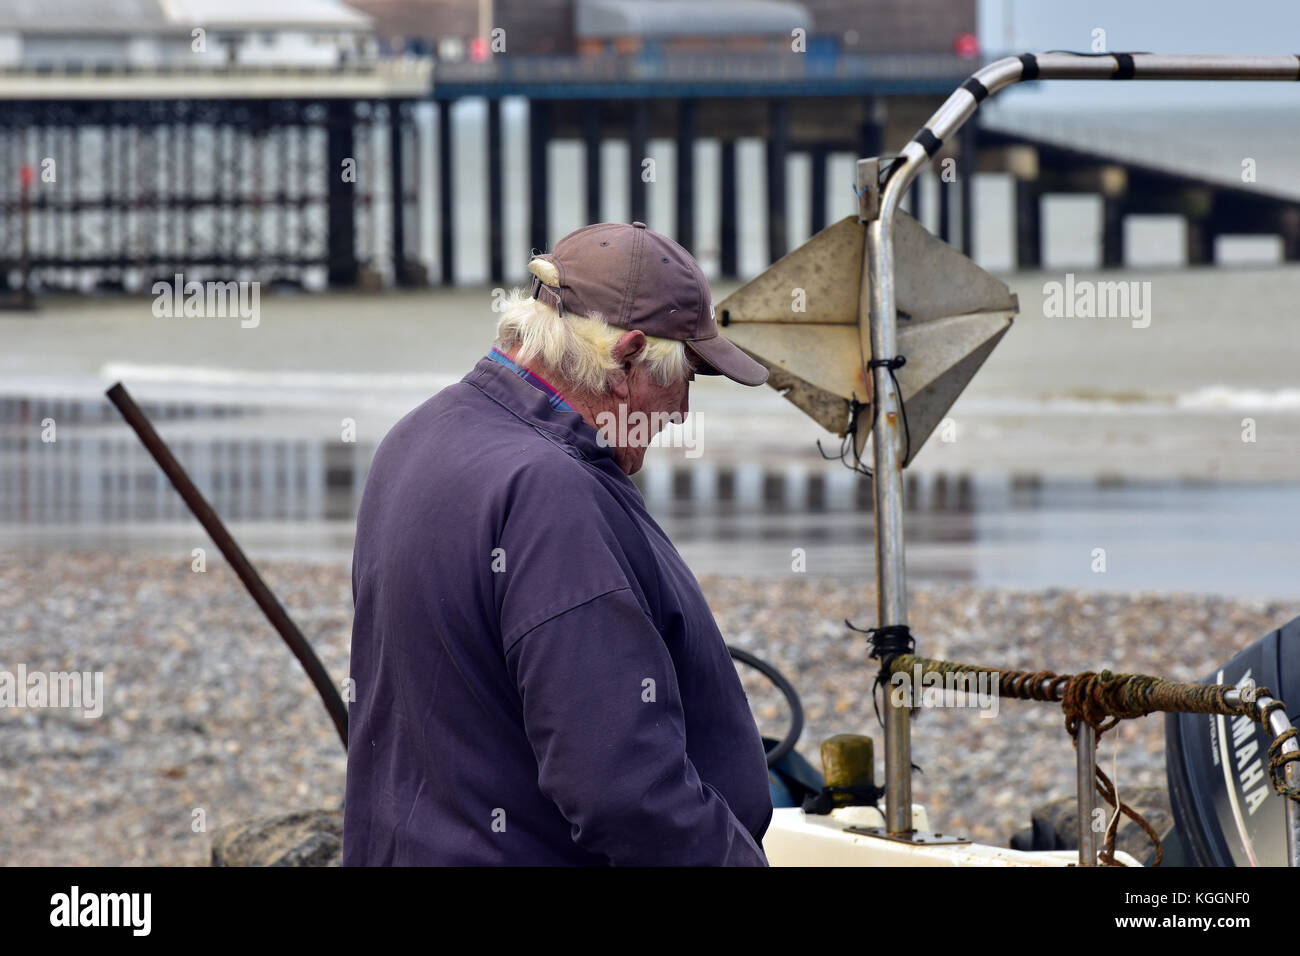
(539, 679)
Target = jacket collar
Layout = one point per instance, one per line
(566, 428)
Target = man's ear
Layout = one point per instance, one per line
(629, 346)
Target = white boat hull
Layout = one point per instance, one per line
(795, 838)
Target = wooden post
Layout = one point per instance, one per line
(1112, 232)
(818, 158)
(1289, 226)
(687, 110)
(591, 135)
(968, 163)
(727, 258)
(446, 215)
(778, 132)
(342, 268)
(945, 208)
(496, 267)
(397, 176)
(539, 136)
(1200, 242)
(1029, 231)
(637, 147)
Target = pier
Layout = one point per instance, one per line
(272, 174)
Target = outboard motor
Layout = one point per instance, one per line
(1225, 808)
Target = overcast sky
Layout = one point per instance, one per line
(1155, 26)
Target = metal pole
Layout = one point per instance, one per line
(1278, 724)
(1086, 766)
(272, 608)
(876, 325)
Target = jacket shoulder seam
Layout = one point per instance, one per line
(574, 607)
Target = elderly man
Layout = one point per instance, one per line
(539, 680)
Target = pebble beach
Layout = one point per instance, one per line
(208, 720)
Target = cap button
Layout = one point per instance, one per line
(639, 225)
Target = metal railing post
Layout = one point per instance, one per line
(877, 328)
(1086, 765)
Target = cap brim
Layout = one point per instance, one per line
(724, 358)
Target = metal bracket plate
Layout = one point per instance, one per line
(915, 837)
(868, 188)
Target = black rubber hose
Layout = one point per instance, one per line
(781, 750)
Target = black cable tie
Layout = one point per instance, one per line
(887, 642)
(898, 361)
(1125, 69)
(929, 142)
(849, 443)
(1028, 66)
(976, 89)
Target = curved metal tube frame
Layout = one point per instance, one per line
(878, 262)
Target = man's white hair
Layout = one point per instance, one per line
(578, 349)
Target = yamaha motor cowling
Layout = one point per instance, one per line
(1224, 805)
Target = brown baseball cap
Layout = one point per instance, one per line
(638, 279)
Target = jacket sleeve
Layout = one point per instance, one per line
(604, 718)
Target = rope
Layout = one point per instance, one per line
(1277, 760)
(1098, 699)
(1109, 793)
(1101, 700)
